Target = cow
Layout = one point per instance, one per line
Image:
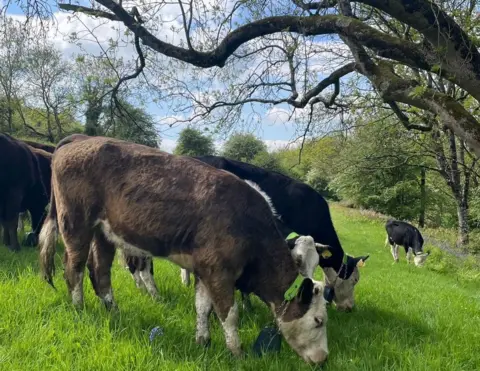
(404, 234)
(23, 216)
(45, 147)
(106, 191)
(21, 186)
(304, 211)
(305, 252)
(36, 202)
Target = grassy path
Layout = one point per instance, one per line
(406, 319)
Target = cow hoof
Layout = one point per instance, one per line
(203, 341)
(238, 352)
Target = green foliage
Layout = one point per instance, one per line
(243, 147)
(130, 123)
(268, 161)
(192, 142)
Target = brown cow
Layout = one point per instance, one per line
(209, 221)
(21, 186)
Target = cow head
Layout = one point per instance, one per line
(344, 282)
(303, 322)
(305, 252)
(419, 259)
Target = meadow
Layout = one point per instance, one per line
(406, 318)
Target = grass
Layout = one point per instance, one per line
(406, 319)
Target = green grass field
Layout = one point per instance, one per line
(406, 318)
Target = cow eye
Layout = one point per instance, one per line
(318, 322)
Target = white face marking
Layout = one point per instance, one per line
(306, 253)
(185, 276)
(420, 259)
(344, 289)
(203, 306)
(308, 335)
(230, 328)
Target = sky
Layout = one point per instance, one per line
(275, 128)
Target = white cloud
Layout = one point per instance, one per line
(168, 145)
(277, 115)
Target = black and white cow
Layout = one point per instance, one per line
(404, 234)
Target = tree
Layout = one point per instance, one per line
(129, 123)
(13, 48)
(380, 36)
(243, 147)
(191, 142)
(49, 85)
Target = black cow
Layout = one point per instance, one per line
(404, 234)
(21, 187)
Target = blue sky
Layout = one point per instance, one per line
(273, 129)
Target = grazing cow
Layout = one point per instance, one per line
(305, 252)
(21, 186)
(406, 235)
(152, 203)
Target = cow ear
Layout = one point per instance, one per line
(305, 292)
(323, 250)
(363, 259)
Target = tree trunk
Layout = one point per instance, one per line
(462, 212)
(421, 218)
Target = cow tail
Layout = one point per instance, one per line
(48, 242)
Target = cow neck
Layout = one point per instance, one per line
(272, 286)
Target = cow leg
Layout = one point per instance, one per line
(185, 276)
(395, 252)
(409, 254)
(246, 303)
(203, 307)
(102, 254)
(222, 292)
(6, 234)
(75, 259)
(13, 201)
(133, 265)
(146, 274)
(21, 224)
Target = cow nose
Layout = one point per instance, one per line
(318, 358)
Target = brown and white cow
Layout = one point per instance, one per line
(107, 192)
